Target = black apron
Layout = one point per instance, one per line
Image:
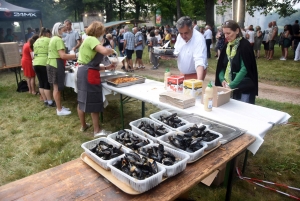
(89, 94)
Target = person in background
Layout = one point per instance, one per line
(128, 48)
(40, 48)
(9, 37)
(201, 30)
(236, 68)
(296, 36)
(138, 48)
(120, 43)
(191, 49)
(272, 40)
(258, 36)
(26, 62)
(167, 37)
(37, 31)
(287, 42)
(71, 38)
(208, 38)
(56, 66)
(221, 41)
(29, 34)
(153, 42)
(195, 26)
(157, 35)
(111, 40)
(84, 34)
(89, 96)
(265, 40)
(1, 35)
(250, 35)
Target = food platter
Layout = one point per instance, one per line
(125, 80)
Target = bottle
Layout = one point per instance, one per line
(167, 74)
(208, 97)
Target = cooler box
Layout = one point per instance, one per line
(175, 83)
(192, 87)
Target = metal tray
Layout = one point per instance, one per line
(229, 132)
(111, 74)
(138, 81)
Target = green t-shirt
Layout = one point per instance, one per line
(40, 49)
(56, 43)
(86, 50)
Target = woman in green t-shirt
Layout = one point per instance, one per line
(89, 94)
(40, 48)
(56, 66)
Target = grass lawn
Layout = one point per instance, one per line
(33, 138)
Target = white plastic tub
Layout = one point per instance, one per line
(134, 127)
(156, 116)
(210, 144)
(138, 185)
(91, 144)
(113, 137)
(179, 166)
(193, 156)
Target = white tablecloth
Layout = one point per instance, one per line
(255, 119)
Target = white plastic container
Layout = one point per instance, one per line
(155, 117)
(179, 166)
(91, 144)
(134, 127)
(113, 137)
(193, 156)
(210, 144)
(138, 185)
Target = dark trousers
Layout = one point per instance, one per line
(208, 43)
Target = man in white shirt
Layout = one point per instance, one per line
(157, 35)
(208, 39)
(191, 49)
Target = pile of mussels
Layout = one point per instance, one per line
(136, 166)
(158, 154)
(106, 151)
(151, 129)
(200, 132)
(130, 140)
(171, 120)
(186, 142)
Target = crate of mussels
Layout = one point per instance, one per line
(174, 161)
(137, 171)
(130, 139)
(102, 150)
(209, 137)
(194, 147)
(149, 128)
(170, 120)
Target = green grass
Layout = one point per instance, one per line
(33, 138)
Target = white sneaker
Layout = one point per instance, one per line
(65, 108)
(282, 59)
(62, 112)
(296, 59)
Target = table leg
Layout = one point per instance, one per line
(143, 108)
(245, 161)
(121, 111)
(230, 176)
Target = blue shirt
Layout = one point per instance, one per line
(129, 37)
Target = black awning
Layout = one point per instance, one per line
(11, 12)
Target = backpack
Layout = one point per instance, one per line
(22, 86)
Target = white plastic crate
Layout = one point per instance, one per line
(156, 116)
(193, 156)
(113, 137)
(91, 144)
(179, 166)
(210, 144)
(138, 185)
(134, 128)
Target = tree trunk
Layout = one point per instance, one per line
(137, 10)
(178, 9)
(209, 12)
(239, 9)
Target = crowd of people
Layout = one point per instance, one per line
(236, 49)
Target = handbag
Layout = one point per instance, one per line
(22, 86)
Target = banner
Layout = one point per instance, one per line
(158, 17)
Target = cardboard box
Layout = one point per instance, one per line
(176, 99)
(221, 95)
(192, 87)
(11, 54)
(175, 83)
